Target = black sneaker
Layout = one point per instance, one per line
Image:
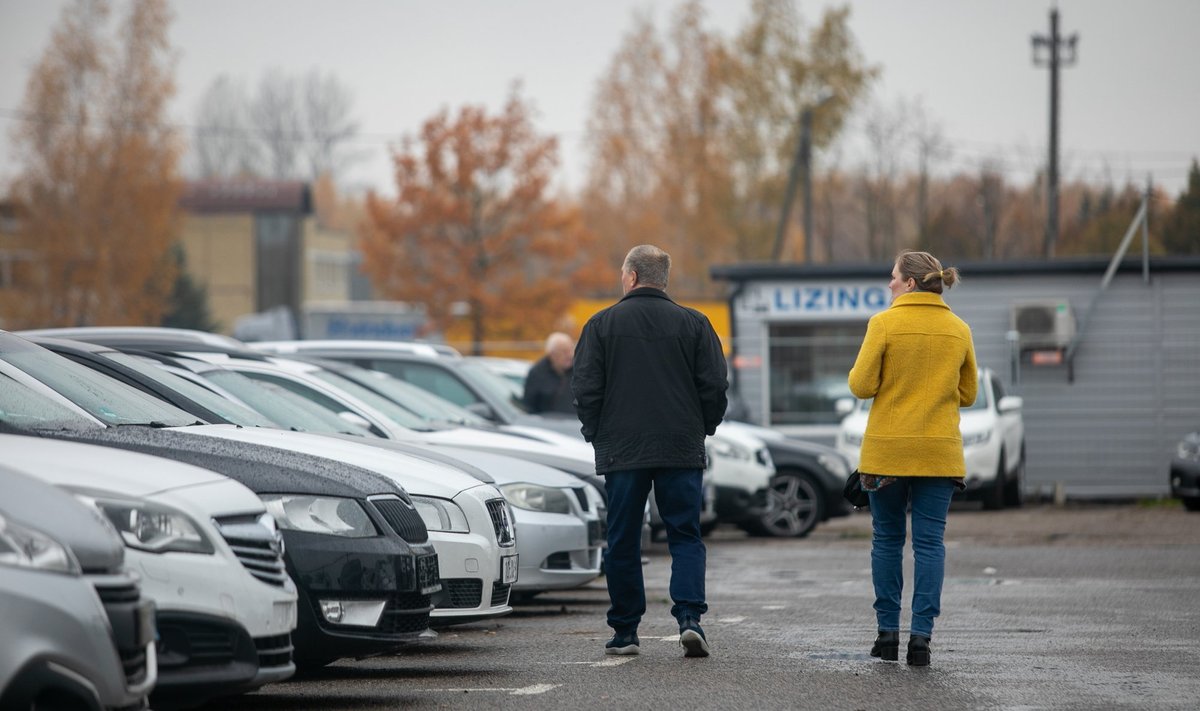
(623, 644)
(692, 639)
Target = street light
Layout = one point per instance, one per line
(802, 161)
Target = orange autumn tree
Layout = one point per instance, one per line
(99, 172)
(474, 230)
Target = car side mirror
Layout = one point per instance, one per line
(844, 406)
(483, 410)
(1010, 403)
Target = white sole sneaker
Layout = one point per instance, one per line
(693, 644)
(627, 650)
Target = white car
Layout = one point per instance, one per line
(207, 553)
(993, 434)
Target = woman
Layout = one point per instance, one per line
(918, 362)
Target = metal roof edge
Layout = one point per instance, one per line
(759, 271)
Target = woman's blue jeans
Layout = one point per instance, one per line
(930, 498)
(680, 498)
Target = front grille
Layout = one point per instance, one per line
(582, 496)
(462, 592)
(402, 517)
(195, 643)
(257, 547)
(275, 651)
(405, 613)
(500, 594)
(502, 522)
(117, 594)
(133, 663)
(597, 532)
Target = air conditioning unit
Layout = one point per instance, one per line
(1043, 324)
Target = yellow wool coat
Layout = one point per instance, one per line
(918, 362)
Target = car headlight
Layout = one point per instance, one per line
(24, 547)
(150, 526)
(327, 515)
(835, 463)
(722, 448)
(533, 497)
(441, 515)
(1188, 449)
(975, 438)
(852, 439)
(763, 455)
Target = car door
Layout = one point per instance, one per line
(1010, 424)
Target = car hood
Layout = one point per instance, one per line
(969, 421)
(262, 469)
(418, 476)
(512, 444)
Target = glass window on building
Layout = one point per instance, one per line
(809, 366)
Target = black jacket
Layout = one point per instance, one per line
(546, 390)
(649, 383)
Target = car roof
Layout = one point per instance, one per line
(430, 350)
(140, 336)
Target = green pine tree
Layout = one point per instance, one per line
(188, 307)
(1181, 226)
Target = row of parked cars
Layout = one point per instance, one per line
(187, 517)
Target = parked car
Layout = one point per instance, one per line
(75, 630)
(514, 369)
(1185, 471)
(339, 522)
(197, 540)
(993, 434)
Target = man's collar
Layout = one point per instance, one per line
(646, 291)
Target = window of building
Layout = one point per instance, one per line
(810, 363)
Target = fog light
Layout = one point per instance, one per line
(356, 613)
(333, 611)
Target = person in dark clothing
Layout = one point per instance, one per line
(649, 385)
(548, 384)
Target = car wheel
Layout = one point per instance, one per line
(794, 506)
(1012, 491)
(707, 528)
(993, 496)
(1191, 503)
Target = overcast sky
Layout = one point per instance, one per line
(1129, 106)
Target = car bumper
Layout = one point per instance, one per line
(470, 567)
(379, 574)
(983, 461)
(1185, 478)
(558, 551)
(734, 504)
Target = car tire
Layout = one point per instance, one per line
(1191, 503)
(1012, 490)
(993, 496)
(707, 528)
(795, 505)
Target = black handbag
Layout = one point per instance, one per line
(853, 491)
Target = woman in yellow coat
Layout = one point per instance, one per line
(918, 363)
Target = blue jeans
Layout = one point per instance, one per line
(679, 494)
(930, 497)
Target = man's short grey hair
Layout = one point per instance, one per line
(652, 265)
(558, 339)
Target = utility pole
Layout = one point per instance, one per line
(801, 167)
(1052, 44)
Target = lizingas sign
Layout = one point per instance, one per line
(816, 301)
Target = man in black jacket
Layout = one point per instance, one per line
(649, 385)
(548, 384)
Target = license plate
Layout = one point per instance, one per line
(427, 575)
(508, 569)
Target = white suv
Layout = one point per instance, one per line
(993, 435)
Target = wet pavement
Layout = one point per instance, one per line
(1085, 607)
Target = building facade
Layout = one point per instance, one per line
(1102, 423)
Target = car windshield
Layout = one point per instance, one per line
(27, 409)
(227, 409)
(500, 389)
(395, 412)
(419, 401)
(107, 400)
(280, 404)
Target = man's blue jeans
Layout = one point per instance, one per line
(679, 494)
(930, 497)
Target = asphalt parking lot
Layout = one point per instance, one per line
(1082, 607)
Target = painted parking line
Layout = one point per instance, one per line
(611, 662)
(532, 690)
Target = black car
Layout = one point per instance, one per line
(388, 562)
(1185, 471)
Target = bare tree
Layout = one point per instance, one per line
(931, 147)
(274, 114)
(885, 136)
(991, 205)
(224, 140)
(327, 120)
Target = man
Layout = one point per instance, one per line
(548, 385)
(649, 386)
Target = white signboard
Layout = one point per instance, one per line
(814, 301)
